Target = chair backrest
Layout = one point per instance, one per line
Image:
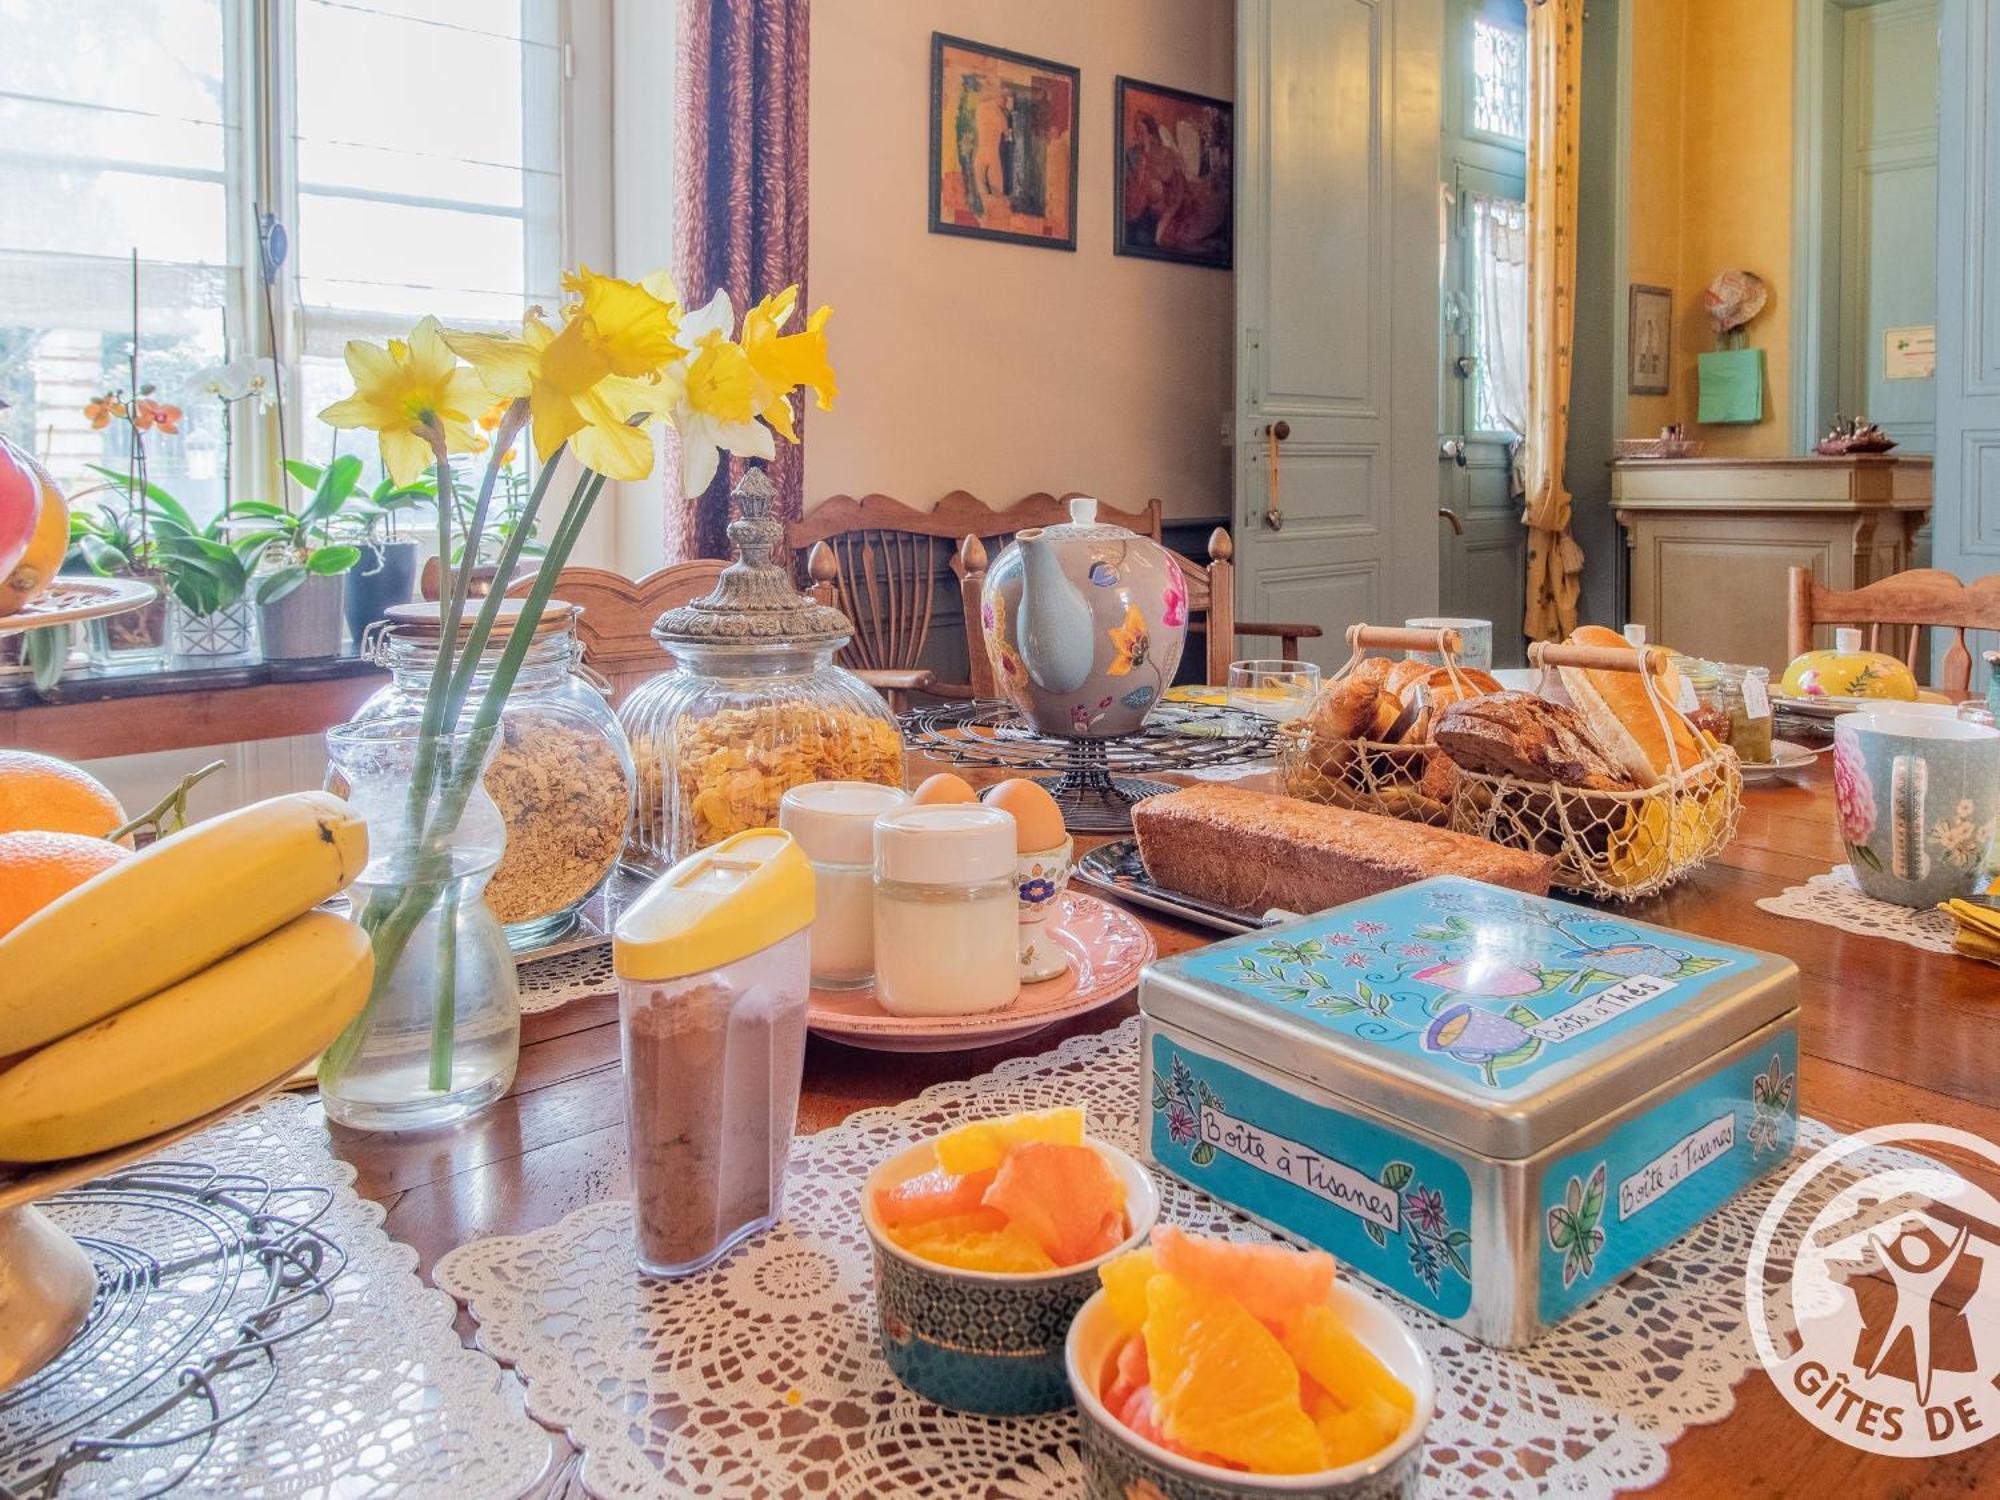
(1919, 597)
(616, 626)
(430, 580)
(1211, 597)
(886, 558)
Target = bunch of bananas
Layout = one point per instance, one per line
(180, 978)
(1978, 929)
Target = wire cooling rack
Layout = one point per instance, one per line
(1096, 781)
(202, 1277)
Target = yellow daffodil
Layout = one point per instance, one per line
(406, 390)
(783, 364)
(717, 405)
(611, 361)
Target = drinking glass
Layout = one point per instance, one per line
(1280, 690)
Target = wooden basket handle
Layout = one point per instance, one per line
(1396, 638)
(1599, 658)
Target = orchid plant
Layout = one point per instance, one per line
(619, 358)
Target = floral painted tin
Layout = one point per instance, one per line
(1490, 1104)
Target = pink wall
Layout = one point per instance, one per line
(996, 368)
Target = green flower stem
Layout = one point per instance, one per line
(444, 1022)
(467, 667)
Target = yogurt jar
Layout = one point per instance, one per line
(945, 911)
(834, 824)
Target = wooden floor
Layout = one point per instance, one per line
(1889, 1034)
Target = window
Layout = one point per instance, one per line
(1499, 299)
(411, 148)
(1500, 72)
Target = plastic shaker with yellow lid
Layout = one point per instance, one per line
(712, 965)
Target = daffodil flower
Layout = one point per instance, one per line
(717, 406)
(410, 393)
(784, 363)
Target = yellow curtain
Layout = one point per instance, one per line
(1555, 67)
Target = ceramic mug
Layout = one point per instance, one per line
(1919, 797)
(1475, 641)
(1041, 877)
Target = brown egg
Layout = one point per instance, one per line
(1038, 822)
(944, 788)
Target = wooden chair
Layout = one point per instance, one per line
(428, 581)
(1917, 598)
(616, 626)
(1211, 597)
(884, 560)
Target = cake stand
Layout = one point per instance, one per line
(1095, 781)
(67, 600)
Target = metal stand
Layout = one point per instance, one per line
(1087, 785)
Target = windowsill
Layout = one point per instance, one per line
(101, 687)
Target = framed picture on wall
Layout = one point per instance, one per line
(1649, 340)
(1172, 176)
(1003, 144)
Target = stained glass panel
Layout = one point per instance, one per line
(1499, 79)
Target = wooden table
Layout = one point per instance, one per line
(1889, 1033)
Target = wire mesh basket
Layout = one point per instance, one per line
(1397, 779)
(1615, 845)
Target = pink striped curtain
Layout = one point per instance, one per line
(740, 206)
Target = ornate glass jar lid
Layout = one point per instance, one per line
(754, 602)
(424, 619)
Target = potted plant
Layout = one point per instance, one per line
(114, 539)
(299, 563)
(387, 573)
(205, 576)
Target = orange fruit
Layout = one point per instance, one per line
(979, 1241)
(1272, 1281)
(1223, 1384)
(936, 1194)
(978, 1147)
(41, 792)
(37, 866)
(1125, 1286)
(1067, 1198)
(1334, 1358)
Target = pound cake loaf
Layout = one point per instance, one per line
(1254, 851)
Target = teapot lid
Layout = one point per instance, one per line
(754, 602)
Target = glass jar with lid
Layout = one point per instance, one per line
(561, 770)
(753, 706)
(1745, 694)
(1701, 696)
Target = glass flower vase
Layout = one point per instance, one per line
(441, 1033)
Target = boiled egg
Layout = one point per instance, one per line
(1038, 822)
(943, 789)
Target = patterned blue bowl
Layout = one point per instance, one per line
(986, 1342)
(1118, 1464)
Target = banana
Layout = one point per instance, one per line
(171, 910)
(191, 1048)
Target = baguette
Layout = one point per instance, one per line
(1253, 851)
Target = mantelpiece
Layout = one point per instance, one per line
(1711, 540)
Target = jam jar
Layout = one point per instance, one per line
(753, 706)
(561, 773)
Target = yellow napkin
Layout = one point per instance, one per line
(1978, 933)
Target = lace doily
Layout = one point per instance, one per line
(1835, 900)
(379, 1398)
(762, 1376)
(549, 982)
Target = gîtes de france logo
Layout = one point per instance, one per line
(1886, 1333)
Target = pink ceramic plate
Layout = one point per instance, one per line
(1107, 948)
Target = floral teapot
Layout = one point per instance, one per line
(1084, 625)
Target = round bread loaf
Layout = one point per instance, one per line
(1622, 717)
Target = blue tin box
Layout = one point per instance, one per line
(1493, 1105)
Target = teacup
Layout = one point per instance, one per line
(1919, 797)
(1041, 877)
(1475, 640)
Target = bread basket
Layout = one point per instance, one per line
(1386, 776)
(1617, 845)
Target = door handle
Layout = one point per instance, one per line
(1453, 449)
(1446, 513)
(1274, 511)
(1279, 429)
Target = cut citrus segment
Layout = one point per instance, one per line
(936, 1194)
(1125, 1286)
(1067, 1198)
(1271, 1281)
(1350, 1436)
(982, 1240)
(1337, 1360)
(1127, 1372)
(1222, 1383)
(978, 1147)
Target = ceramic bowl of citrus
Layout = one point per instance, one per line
(987, 1240)
(1215, 1370)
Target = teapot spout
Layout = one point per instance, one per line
(1055, 623)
